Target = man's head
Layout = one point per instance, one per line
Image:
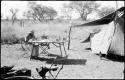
(32, 31)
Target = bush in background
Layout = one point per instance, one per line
(9, 34)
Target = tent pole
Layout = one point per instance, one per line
(115, 22)
(69, 37)
(116, 15)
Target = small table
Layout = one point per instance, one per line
(36, 46)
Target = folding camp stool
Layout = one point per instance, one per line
(44, 47)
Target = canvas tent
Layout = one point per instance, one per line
(109, 37)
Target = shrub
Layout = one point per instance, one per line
(8, 34)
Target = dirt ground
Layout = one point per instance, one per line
(80, 63)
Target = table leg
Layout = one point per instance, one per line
(60, 49)
(64, 49)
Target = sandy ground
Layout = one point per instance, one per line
(80, 64)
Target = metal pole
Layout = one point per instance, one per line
(64, 49)
(60, 49)
(115, 22)
(69, 37)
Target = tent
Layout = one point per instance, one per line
(109, 36)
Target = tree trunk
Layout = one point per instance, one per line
(84, 17)
(12, 20)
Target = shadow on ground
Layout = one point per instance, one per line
(113, 57)
(116, 57)
(62, 60)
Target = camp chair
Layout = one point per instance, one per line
(44, 69)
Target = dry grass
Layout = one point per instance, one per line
(11, 32)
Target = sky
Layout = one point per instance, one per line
(22, 6)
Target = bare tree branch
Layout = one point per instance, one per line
(84, 7)
(14, 12)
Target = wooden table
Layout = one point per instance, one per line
(36, 46)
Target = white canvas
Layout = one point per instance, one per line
(100, 42)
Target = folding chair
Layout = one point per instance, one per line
(44, 47)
